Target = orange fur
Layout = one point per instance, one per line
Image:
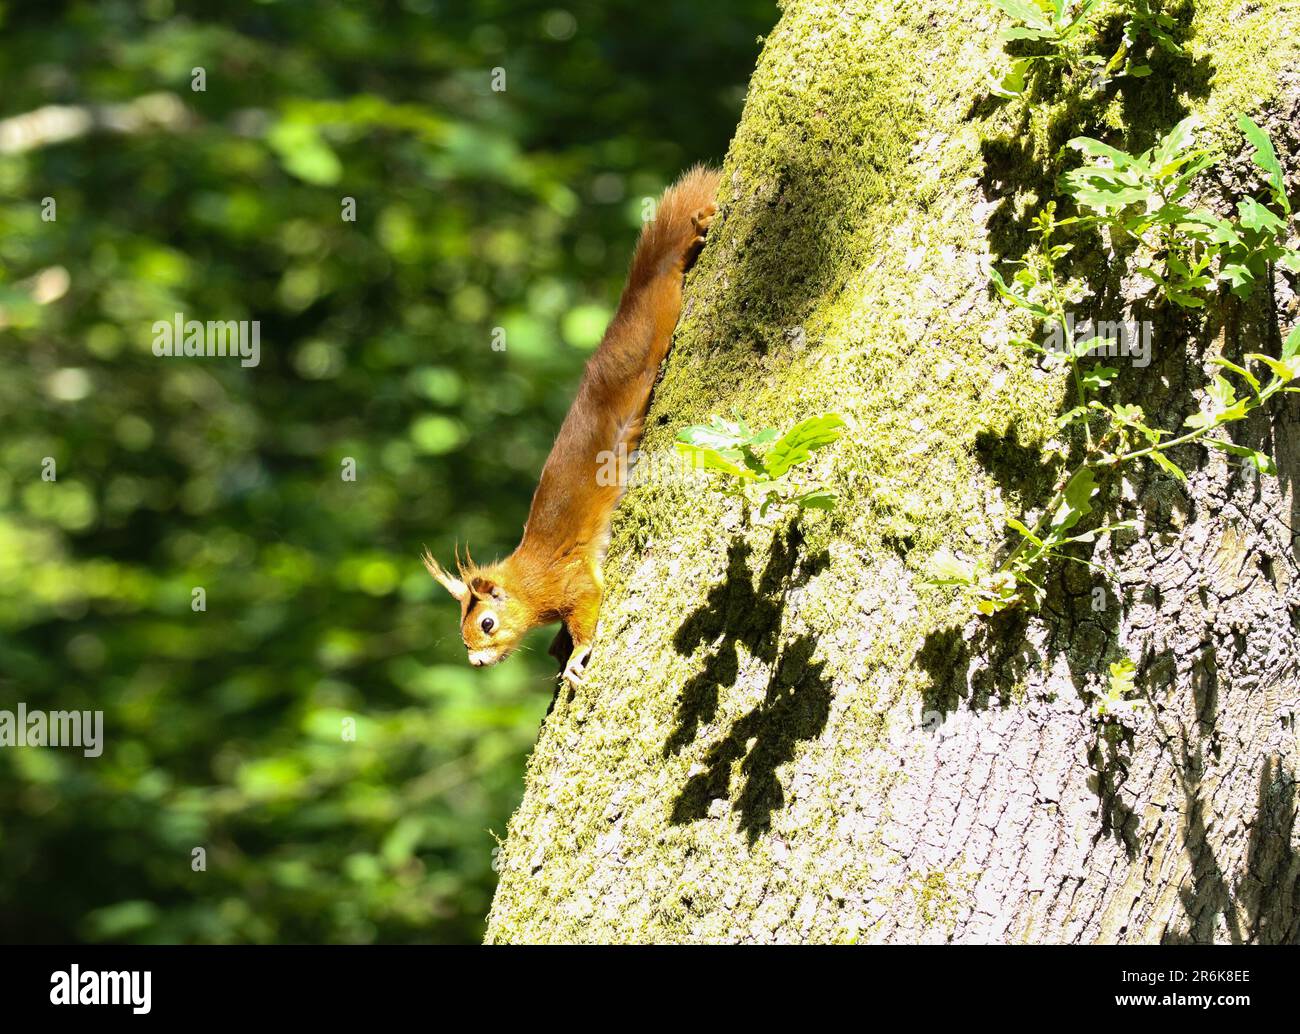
(554, 573)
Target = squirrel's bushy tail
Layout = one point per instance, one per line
(669, 236)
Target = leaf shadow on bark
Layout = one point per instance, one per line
(1271, 898)
(741, 611)
(990, 664)
(1109, 759)
(1262, 906)
(992, 661)
(786, 242)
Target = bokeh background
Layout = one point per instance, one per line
(475, 209)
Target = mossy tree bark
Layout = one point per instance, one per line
(784, 736)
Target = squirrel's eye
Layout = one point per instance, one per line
(488, 623)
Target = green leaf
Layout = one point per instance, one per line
(1075, 503)
(1286, 370)
(1237, 411)
(1223, 232)
(1099, 377)
(1081, 349)
(1246, 375)
(1115, 703)
(1266, 159)
(1199, 160)
(1001, 286)
(1222, 393)
(1000, 590)
(818, 499)
(801, 441)
(1167, 465)
(717, 434)
(1262, 462)
(1012, 83)
(1096, 149)
(1024, 11)
(1070, 416)
(1187, 301)
(1022, 32)
(713, 459)
(1025, 343)
(1236, 274)
(946, 569)
(1024, 531)
(752, 461)
(1105, 529)
(1097, 192)
(1255, 216)
(1181, 137)
(1121, 678)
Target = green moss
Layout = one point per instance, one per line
(714, 779)
(938, 900)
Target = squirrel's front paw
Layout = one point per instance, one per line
(700, 223)
(703, 219)
(577, 667)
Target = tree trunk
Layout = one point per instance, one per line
(784, 735)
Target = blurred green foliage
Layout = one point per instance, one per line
(475, 209)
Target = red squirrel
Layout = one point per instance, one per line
(555, 572)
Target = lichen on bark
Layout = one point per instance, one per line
(783, 736)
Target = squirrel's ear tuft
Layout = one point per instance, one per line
(455, 586)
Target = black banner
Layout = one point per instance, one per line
(335, 984)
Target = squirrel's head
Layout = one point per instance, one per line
(492, 619)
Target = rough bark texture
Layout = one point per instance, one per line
(784, 736)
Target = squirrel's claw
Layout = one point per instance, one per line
(576, 668)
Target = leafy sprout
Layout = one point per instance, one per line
(761, 464)
(1187, 251)
(1118, 704)
(1060, 27)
